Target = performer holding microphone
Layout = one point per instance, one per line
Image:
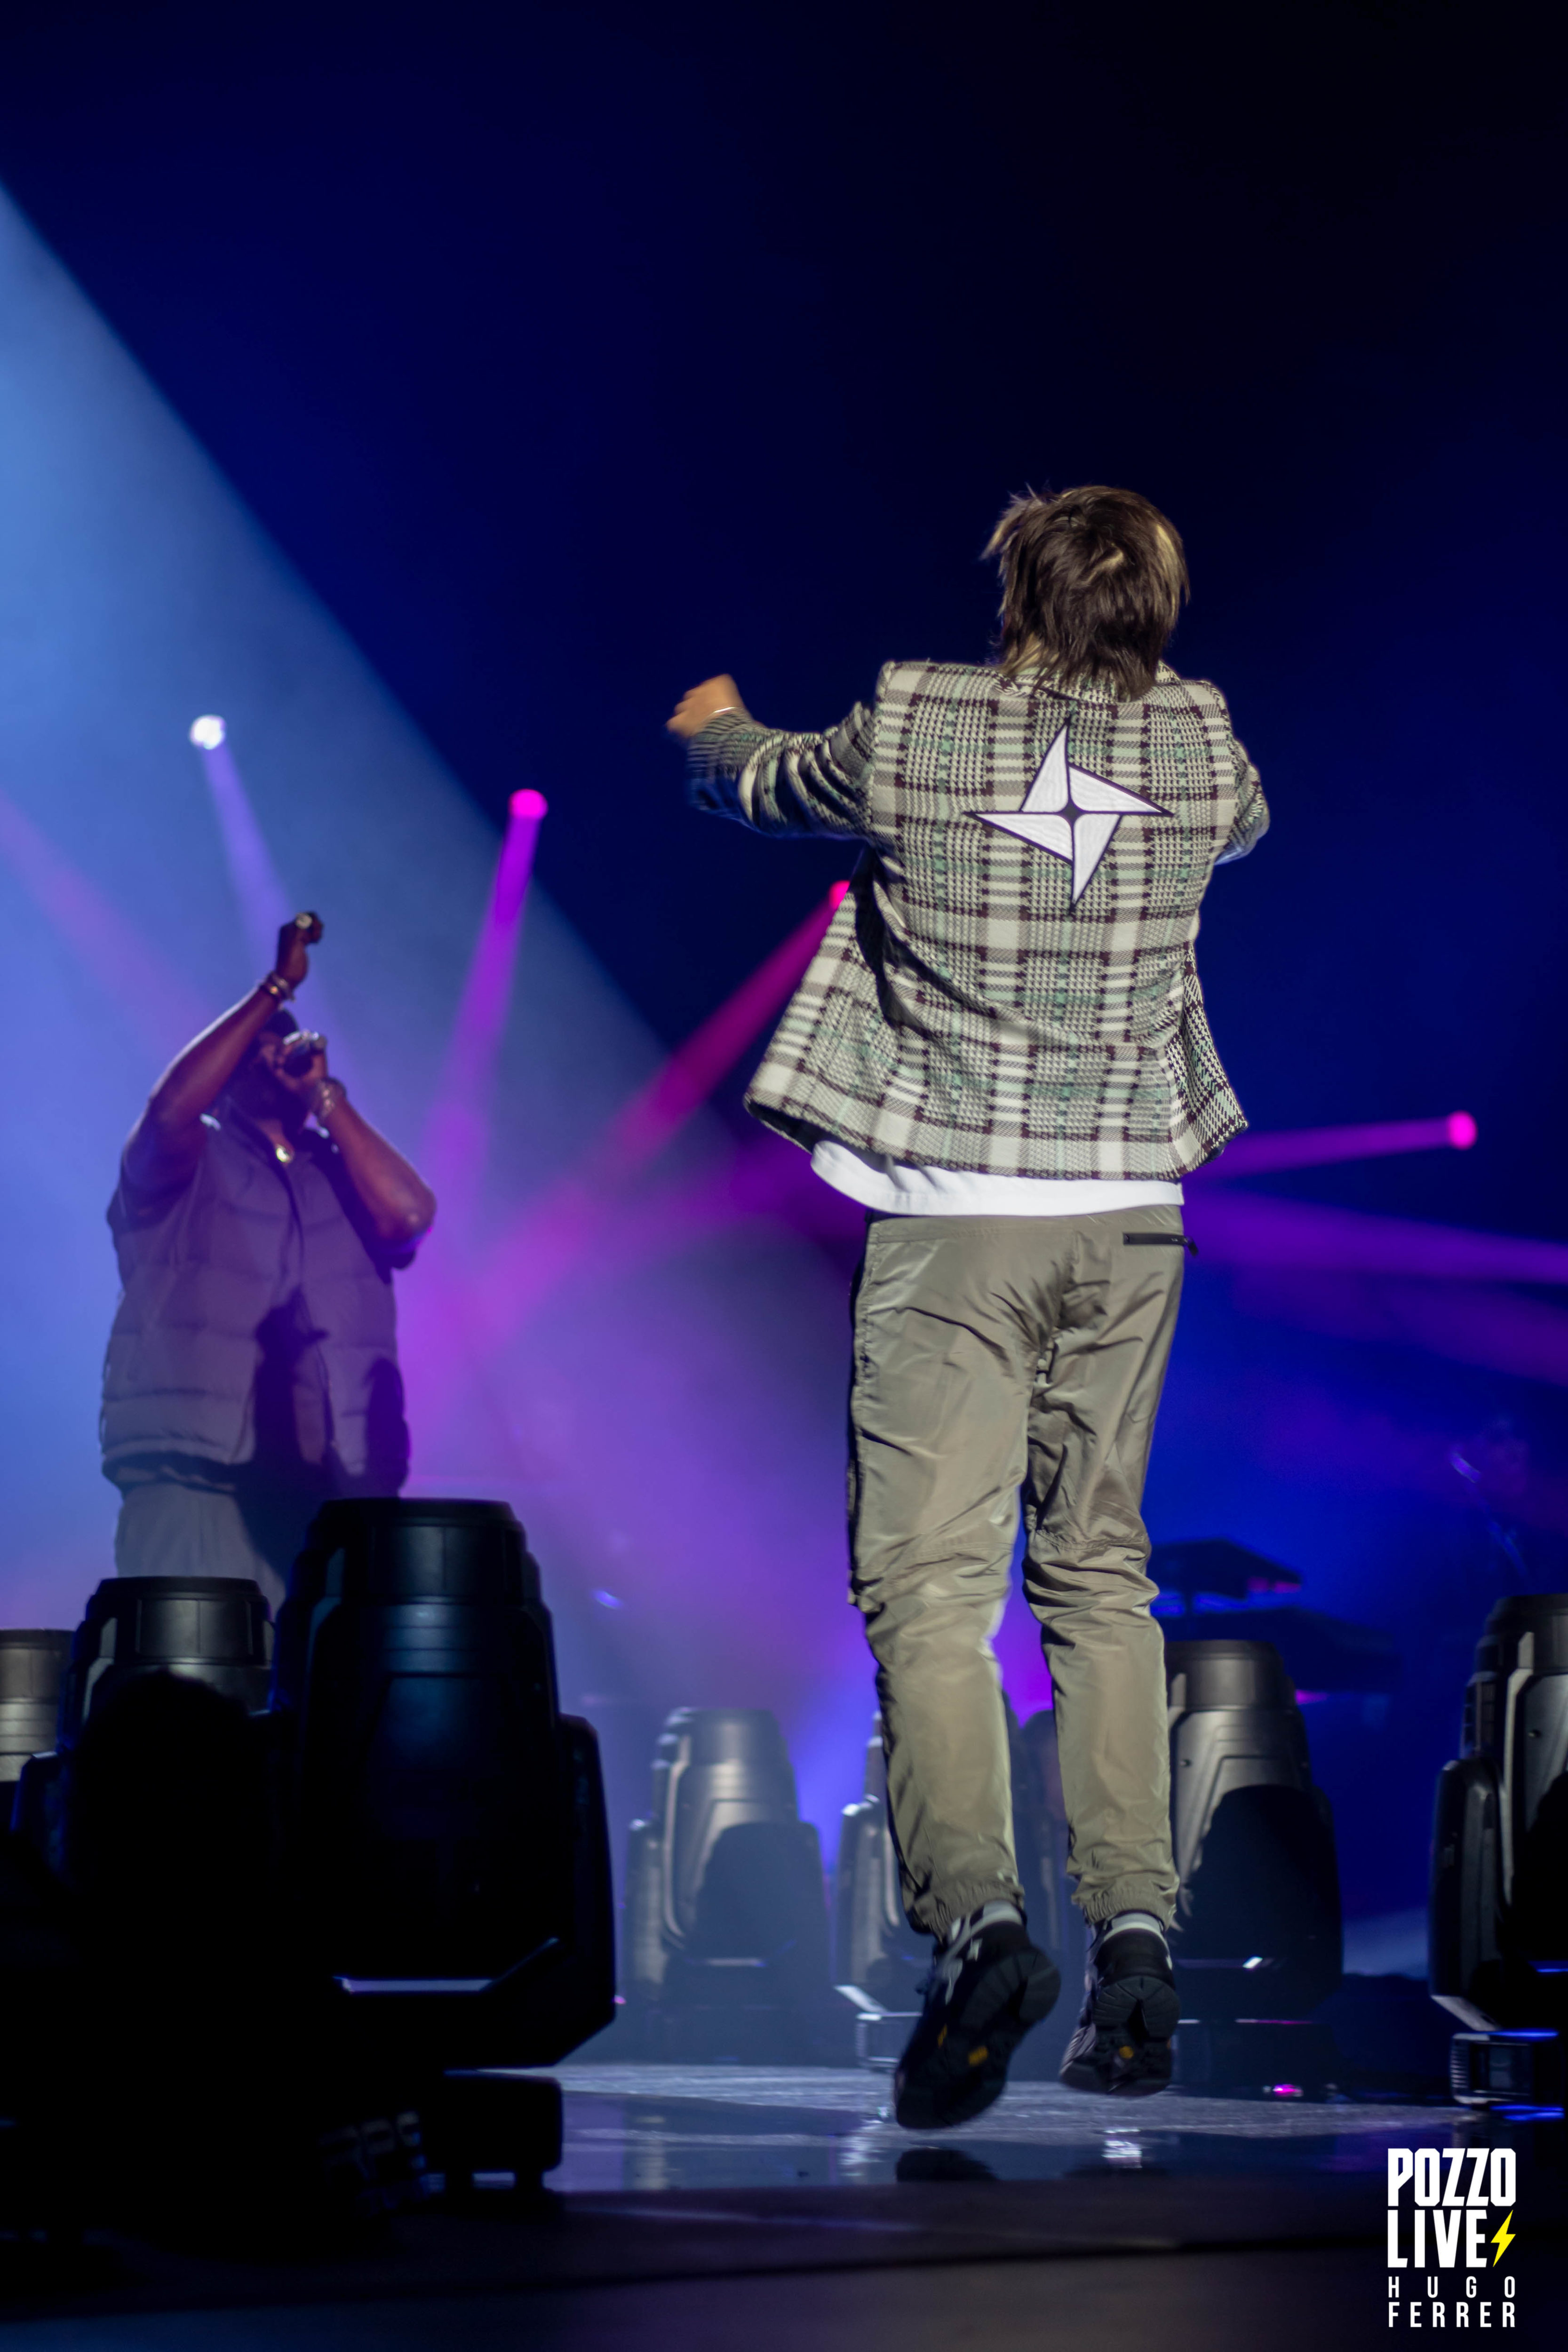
(1000, 1049)
(252, 1368)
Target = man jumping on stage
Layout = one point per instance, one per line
(252, 1370)
(1000, 1049)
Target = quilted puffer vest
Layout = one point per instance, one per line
(257, 1296)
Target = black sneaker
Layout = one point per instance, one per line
(981, 1998)
(1122, 2043)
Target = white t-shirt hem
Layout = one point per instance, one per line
(877, 1182)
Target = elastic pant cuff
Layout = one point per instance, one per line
(935, 1914)
(1154, 1895)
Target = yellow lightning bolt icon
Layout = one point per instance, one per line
(1502, 2239)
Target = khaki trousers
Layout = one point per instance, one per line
(1000, 1357)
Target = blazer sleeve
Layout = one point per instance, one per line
(782, 783)
(1250, 822)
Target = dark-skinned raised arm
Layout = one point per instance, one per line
(400, 1204)
(165, 1143)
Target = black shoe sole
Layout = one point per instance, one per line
(1161, 2011)
(964, 2071)
(1131, 2058)
(1115, 2069)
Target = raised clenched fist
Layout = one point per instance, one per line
(702, 703)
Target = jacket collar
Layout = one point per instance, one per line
(1083, 689)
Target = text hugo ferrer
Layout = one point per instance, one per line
(1454, 2193)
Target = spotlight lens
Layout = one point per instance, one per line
(1462, 1129)
(207, 734)
(836, 896)
(529, 802)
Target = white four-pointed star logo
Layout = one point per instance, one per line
(1071, 813)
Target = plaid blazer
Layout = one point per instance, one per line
(1010, 985)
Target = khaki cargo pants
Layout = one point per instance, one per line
(999, 1359)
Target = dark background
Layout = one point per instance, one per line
(574, 352)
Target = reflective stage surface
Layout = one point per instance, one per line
(723, 2209)
(661, 2128)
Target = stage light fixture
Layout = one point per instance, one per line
(726, 1931)
(1257, 1939)
(1499, 1932)
(32, 1667)
(207, 733)
(878, 1956)
(207, 1628)
(447, 1820)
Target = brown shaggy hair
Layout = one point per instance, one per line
(1092, 581)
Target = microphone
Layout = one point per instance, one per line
(300, 1050)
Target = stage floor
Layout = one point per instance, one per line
(719, 2208)
(660, 2127)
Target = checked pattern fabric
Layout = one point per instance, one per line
(1010, 985)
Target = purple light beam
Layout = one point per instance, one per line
(1239, 1229)
(550, 1238)
(257, 885)
(1481, 1323)
(1428, 1289)
(457, 1136)
(1443, 1289)
(656, 1114)
(1316, 1146)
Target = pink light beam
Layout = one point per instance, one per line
(129, 968)
(550, 1235)
(1317, 1147)
(458, 1132)
(660, 1109)
(553, 1235)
